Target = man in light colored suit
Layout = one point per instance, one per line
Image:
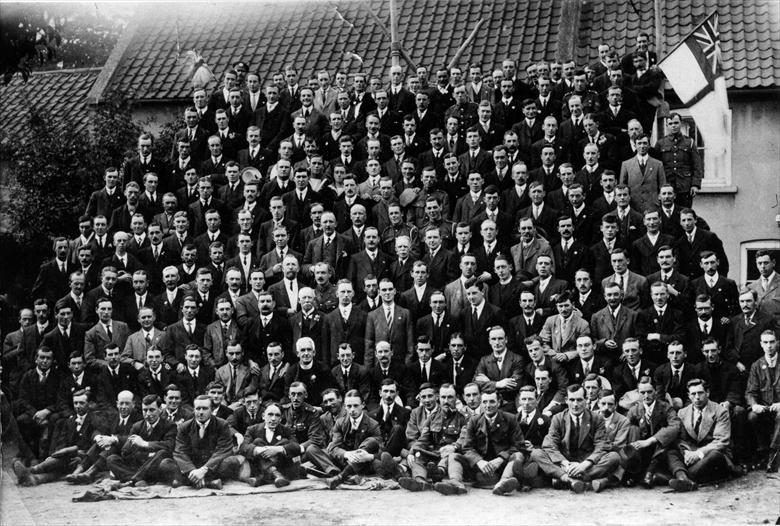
(236, 377)
(560, 331)
(636, 290)
(139, 342)
(703, 451)
(105, 331)
(644, 175)
(325, 97)
(767, 286)
(455, 292)
(220, 334)
(390, 323)
(247, 305)
(528, 250)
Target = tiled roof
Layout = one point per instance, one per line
(749, 33)
(62, 93)
(315, 34)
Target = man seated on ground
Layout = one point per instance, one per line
(490, 448)
(71, 440)
(575, 451)
(763, 398)
(655, 427)
(617, 428)
(150, 441)
(203, 455)
(109, 443)
(534, 424)
(703, 449)
(303, 420)
(269, 448)
(356, 443)
(333, 409)
(435, 442)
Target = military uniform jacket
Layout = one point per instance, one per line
(441, 428)
(305, 425)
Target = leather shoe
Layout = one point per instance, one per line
(505, 486)
(682, 483)
(333, 482)
(600, 485)
(175, 483)
(450, 487)
(414, 484)
(577, 486)
(647, 481)
(659, 479)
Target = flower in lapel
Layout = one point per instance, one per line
(540, 421)
(232, 135)
(313, 377)
(601, 371)
(646, 372)
(278, 437)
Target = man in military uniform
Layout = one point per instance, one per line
(437, 435)
(304, 422)
(682, 163)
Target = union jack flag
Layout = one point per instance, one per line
(708, 38)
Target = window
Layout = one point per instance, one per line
(748, 249)
(717, 170)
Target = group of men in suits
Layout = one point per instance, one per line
(406, 243)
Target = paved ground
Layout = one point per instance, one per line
(754, 499)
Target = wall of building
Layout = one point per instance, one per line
(152, 116)
(749, 214)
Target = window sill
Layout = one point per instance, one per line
(725, 189)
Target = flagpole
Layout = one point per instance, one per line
(692, 31)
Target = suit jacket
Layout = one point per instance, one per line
(101, 204)
(623, 379)
(124, 380)
(591, 444)
(134, 351)
(476, 334)
(417, 307)
(481, 441)
(283, 437)
(724, 295)
(271, 387)
(663, 424)
(192, 387)
(356, 379)
(240, 421)
(442, 268)
(603, 327)
(65, 432)
(482, 163)
(367, 437)
(545, 299)
(511, 202)
(338, 256)
(192, 451)
(269, 260)
(519, 330)
(440, 336)
(396, 370)
(400, 334)
(664, 380)
(536, 428)
(763, 385)
(644, 254)
(62, 346)
(216, 345)
(148, 385)
(161, 437)
(547, 222)
(51, 283)
(564, 340)
(669, 326)
(644, 184)
(511, 367)
(316, 122)
(630, 228)
(245, 382)
(714, 431)
(566, 265)
(524, 257)
(694, 336)
(335, 332)
(274, 125)
(176, 338)
(247, 309)
(636, 290)
(168, 311)
(744, 344)
(258, 337)
(96, 340)
(360, 266)
(414, 378)
(688, 253)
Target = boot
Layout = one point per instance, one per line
(505, 486)
(450, 487)
(660, 479)
(600, 485)
(648, 480)
(71, 477)
(280, 480)
(387, 466)
(436, 472)
(23, 475)
(577, 486)
(86, 477)
(414, 484)
(682, 483)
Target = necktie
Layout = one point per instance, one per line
(109, 333)
(140, 303)
(676, 379)
(424, 373)
(189, 328)
(148, 340)
(224, 332)
(620, 281)
(764, 283)
(78, 302)
(697, 424)
(474, 317)
(586, 368)
(201, 431)
(62, 267)
(576, 429)
(389, 317)
(232, 383)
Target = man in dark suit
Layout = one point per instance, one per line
(672, 377)
(476, 159)
(722, 291)
(137, 166)
(705, 326)
(117, 376)
(345, 324)
(103, 202)
(64, 339)
(569, 254)
(150, 441)
(476, 321)
(442, 264)
(626, 374)
(586, 362)
(459, 369)
(747, 329)
(659, 324)
(438, 325)
(273, 119)
(501, 370)
(424, 370)
(266, 328)
(36, 407)
(693, 242)
(52, 281)
(203, 453)
(528, 323)
(184, 332)
(390, 322)
(349, 375)
(196, 211)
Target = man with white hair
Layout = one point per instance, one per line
(312, 373)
